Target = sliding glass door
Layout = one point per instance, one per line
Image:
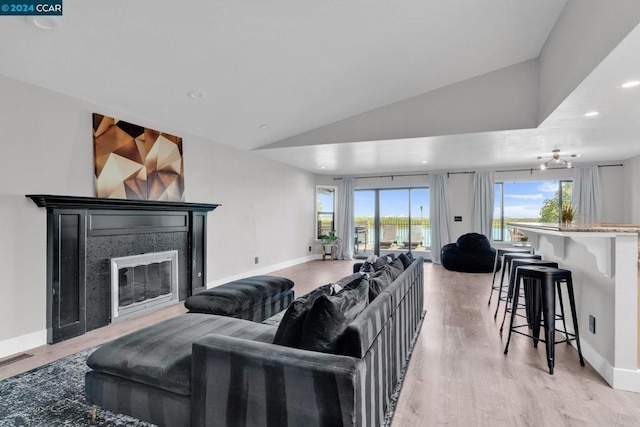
(391, 221)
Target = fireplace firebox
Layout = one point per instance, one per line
(84, 234)
(143, 283)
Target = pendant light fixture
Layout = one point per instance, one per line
(555, 159)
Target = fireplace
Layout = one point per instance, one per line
(84, 236)
(143, 283)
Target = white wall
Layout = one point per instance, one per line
(267, 208)
(47, 148)
(421, 180)
(460, 188)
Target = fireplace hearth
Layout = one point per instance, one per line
(84, 234)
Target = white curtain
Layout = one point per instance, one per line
(344, 218)
(586, 194)
(483, 197)
(439, 213)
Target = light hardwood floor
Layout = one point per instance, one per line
(458, 374)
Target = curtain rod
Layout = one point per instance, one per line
(464, 172)
(386, 176)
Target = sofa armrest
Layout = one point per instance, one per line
(242, 382)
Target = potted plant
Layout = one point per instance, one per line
(567, 213)
(329, 242)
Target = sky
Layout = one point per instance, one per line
(525, 198)
(393, 203)
(521, 200)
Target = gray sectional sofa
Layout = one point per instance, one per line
(211, 370)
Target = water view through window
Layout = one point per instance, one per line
(391, 221)
(527, 201)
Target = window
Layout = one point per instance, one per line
(325, 210)
(528, 201)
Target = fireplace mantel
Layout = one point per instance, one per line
(84, 233)
(73, 202)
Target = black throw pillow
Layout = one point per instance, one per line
(329, 317)
(406, 261)
(290, 329)
(380, 262)
(379, 282)
(366, 267)
(349, 281)
(396, 268)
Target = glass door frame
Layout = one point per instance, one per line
(376, 215)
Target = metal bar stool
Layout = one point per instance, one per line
(545, 280)
(506, 266)
(513, 277)
(497, 264)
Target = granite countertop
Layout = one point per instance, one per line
(602, 228)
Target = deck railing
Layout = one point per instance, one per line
(418, 228)
(421, 231)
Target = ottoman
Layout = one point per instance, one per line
(253, 298)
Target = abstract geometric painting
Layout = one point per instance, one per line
(136, 163)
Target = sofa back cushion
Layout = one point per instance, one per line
(329, 317)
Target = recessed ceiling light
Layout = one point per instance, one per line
(322, 167)
(265, 126)
(424, 162)
(591, 114)
(195, 94)
(44, 22)
(633, 83)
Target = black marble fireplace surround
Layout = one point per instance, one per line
(84, 233)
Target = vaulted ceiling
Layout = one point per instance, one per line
(353, 87)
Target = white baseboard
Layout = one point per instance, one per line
(626, 379)
(617, 378)
(599, 363)
(22, 343)
(264, 270)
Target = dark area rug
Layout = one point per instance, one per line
(52, 396)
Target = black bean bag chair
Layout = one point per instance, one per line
(472, 253)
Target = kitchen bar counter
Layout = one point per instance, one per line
(579, 228)
(603, 259)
